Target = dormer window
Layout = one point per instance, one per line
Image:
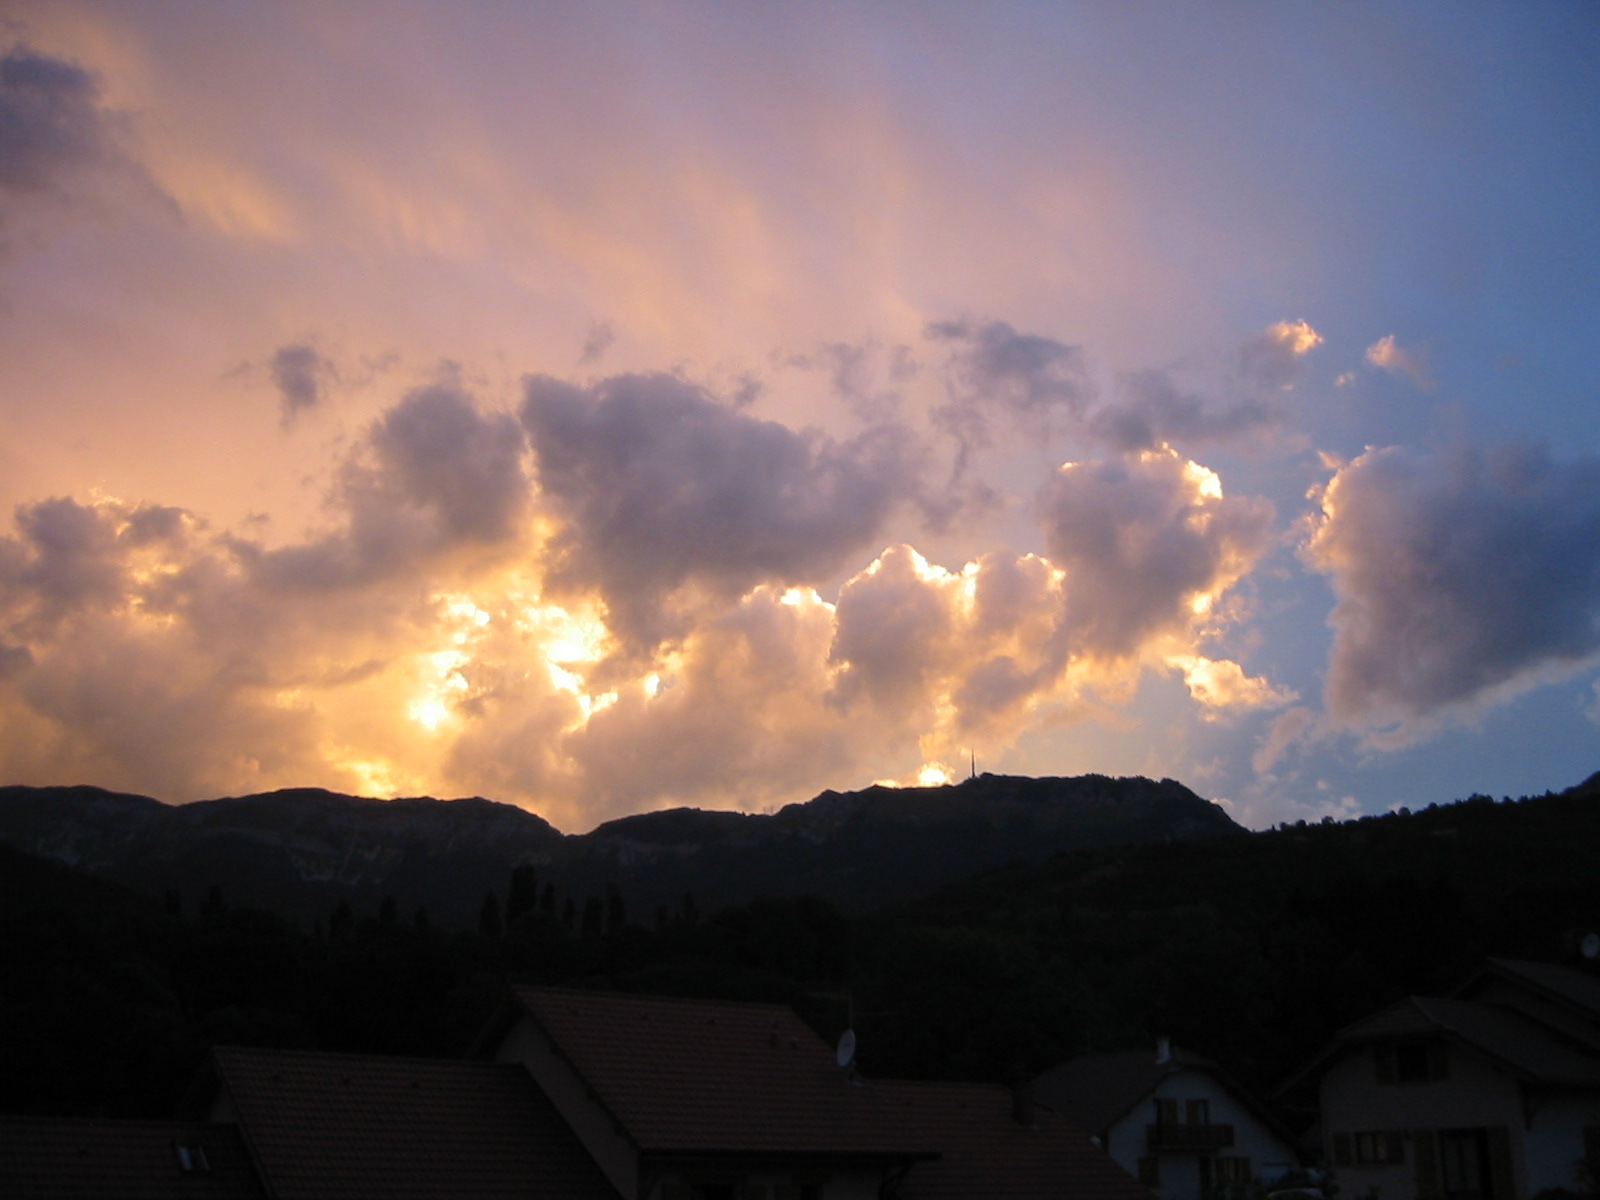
(1411, 1062)
(191, 1156)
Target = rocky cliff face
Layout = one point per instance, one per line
(301, 851)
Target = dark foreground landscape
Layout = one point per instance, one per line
(972, 932)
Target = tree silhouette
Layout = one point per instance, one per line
(523, 897)
(616, 909)
(489, 921)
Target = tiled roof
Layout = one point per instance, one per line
(348, 1126)
(1099, 1089)
(1512, 1040)
(1579, 990)
(986, 1152)
(46, 1158)
(715, 1077)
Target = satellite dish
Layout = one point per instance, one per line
(1590, 945)
(847, 1048)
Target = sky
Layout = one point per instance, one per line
(604, 408)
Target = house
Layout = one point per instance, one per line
(352, 1126)
(1490, 1093)
(680, 1099)
(298, 1125)
(995, 1143)
(1172, 1119)
(573, 1096)
(67, 1158)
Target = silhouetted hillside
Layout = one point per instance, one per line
(1251, 948)
(303, 851)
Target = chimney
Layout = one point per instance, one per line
(1163, 1051)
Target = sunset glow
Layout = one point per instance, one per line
(690, 405)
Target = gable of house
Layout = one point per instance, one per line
(353, 1126)
(1174, 1119)
(1455, 1097)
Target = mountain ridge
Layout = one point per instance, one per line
(301, 850)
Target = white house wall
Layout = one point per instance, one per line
(1475, 1094)
(1553, 1149)
(1127, 1140)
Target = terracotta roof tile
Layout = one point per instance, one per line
(1515, 1042)
(48, 1158)
(1578, 990)
(1099, 1089)
(348, 1126)
(986, 1152)
(715, 1077)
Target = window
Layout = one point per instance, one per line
(1233, 1169)
(191, 1157)
(1464, 1164)
(1373, 1148)
(1197, 1112)
(1386, 1147)
(1411, 1062)
(1166, 1111)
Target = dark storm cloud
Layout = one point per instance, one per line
(433, 474)
(436, 450)
(1457, 574)
(1151, 412)
(1024, 372)
(300, 373)
(1036, 381)
(1142, 540)
(68, 558)
(660, 487)
(49, 120)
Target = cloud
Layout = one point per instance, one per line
(432, 475)
(738, 716)
(600, 338)
(1038, 383)
(660, 491)
(1140, 551)
(301, 374)
(1148, 544)
(1274, 358)
(944, 655)
(1461, 578)
(867, 376)
(1150, 410)
(50, 122)
(419, 643)
(1292, 729)
(1391, 357)
(122, 658)
(1152, 413)
(67, 557)
(1222, 684)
